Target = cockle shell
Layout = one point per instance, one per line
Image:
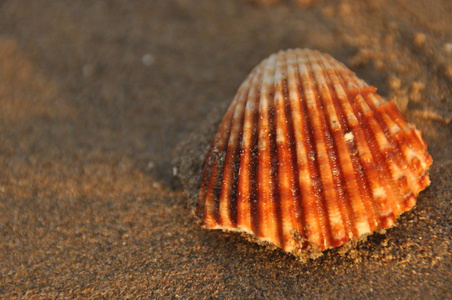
(309, 157)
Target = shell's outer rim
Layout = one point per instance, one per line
(302, 254)
(305, 254)
(361, 89)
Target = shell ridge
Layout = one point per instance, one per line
(340, 161)
(212, 198)
(211, 161)
(315, 226)
(268, 230)
(274, 173)
(327, 161)
(361, 184)
(254, 207)
(279, 218)
(286, 169)
(400, 151)
(354, 214)
(403, 124)
(408, 136)
(246, 178)
(236, 173)
(307, 96)
(297, 206)
(318, 145)
(400, 139)
(211, 204)
(228, 197)
(364, 146)
(384, 194)
(311, 228)
(387, 151)
(367, 156)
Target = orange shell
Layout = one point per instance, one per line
(310, 156)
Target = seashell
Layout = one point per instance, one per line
(309, 157)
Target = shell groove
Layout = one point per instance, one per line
(308, 156)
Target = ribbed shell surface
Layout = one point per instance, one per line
(309, 155)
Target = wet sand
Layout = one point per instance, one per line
(98, 99)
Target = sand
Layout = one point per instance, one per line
(95, 97)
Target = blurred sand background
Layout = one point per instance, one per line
(96, 95)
